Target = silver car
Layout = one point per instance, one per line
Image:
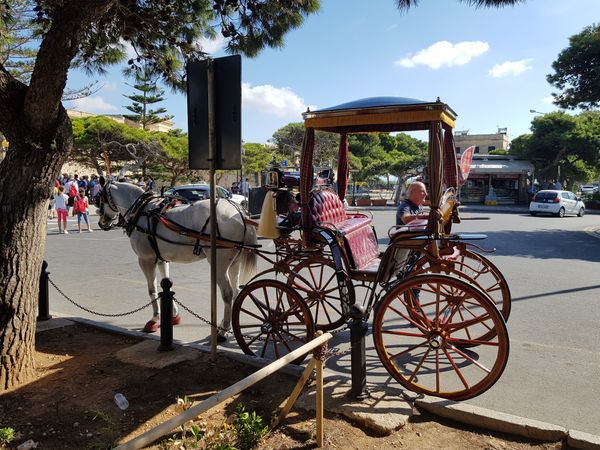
(196, 192)
(559, 203)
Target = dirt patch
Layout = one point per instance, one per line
(70, 404)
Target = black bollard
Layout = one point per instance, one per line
(43, 296)
(166, 313)
(358, 332)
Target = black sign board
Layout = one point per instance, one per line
(228, 115)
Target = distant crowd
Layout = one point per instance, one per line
(72, 196)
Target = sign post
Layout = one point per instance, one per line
(214, 139)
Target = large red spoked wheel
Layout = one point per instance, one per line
(270, 320)
(473, 268)
(316, 282)
(426, 351)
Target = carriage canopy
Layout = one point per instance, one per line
(379, 115)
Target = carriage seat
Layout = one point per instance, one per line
(327, 210)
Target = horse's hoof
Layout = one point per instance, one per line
(176, 320)
(151, 327)
(221, 339)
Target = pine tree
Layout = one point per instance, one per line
(18, 43)
(149, 94)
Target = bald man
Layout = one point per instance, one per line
(411, 208)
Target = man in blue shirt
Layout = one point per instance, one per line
(411, 208)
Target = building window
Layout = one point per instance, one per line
(491, 147)
(457, 149)
(477, 149)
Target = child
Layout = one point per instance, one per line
(61, 201)
(80, 206)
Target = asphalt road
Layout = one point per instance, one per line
(551, 264)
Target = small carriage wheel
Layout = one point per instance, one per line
(429, 355)
(475, 268)
(316, 282)
(270, 320)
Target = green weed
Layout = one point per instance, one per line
(7, 435)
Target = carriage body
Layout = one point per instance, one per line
(427, 280)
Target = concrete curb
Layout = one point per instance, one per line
(459, 412)
(505, 423)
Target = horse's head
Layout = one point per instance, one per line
(107, 210)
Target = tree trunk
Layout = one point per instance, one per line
(27, 175)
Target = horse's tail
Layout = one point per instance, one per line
(248, 262)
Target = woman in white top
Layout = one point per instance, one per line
(61, 201)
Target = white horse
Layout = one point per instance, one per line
(156, 243)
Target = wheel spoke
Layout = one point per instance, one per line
(468, 358)
(284, 342)
(456, 369)
(472, 342)
(260, 305)
(396, 355)
(250, 313)
(402, 333)
(264, 349)
(410, 320)
(412, 376)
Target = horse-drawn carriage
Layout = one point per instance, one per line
(438, 307)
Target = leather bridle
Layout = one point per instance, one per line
(104, 200)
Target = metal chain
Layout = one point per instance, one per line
(202, 319)
(94, 312)
(333, 351)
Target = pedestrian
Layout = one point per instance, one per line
(80, 207)
(71, 187)
(558, 185)
(412, 207)
(245, 187)
(61, 204)
(151, 184)
(141, 183)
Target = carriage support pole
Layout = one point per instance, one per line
(166, 309)
(358, 333)
(43, 296)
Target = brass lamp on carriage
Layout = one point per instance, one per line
(267, 226)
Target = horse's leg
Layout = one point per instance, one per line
(163, 268)
(148, 266)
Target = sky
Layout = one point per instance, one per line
(488, 65)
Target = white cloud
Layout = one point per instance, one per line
(281, 102)
(510, 68)
(444, 53)
(110, 86)
(212, 46)
(94, 104)
(548, 100)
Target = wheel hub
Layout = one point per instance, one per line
(436, 341)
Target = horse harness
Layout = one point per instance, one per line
(156, 215)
